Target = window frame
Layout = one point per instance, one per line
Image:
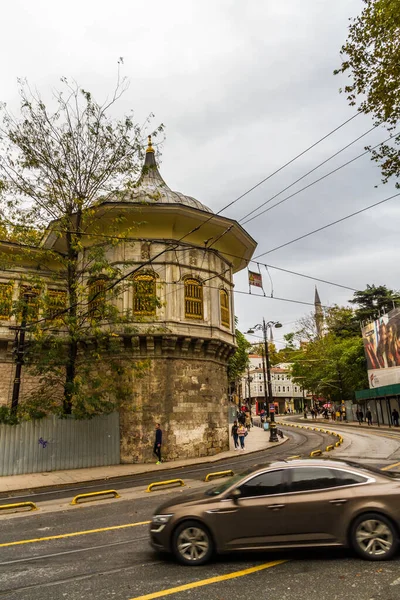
(100, 301)
(144, 276)
(53, 293)
(253, 476)
(191, 301)
(224, 311)
(8, 290)
(336, 487)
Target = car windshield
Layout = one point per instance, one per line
(219, 489)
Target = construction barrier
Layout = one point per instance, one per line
(14, 507)
(219, 474)
(160, 483)
(329, 448)
(293, 457)
(94, 495)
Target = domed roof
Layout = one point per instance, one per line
(152, 188)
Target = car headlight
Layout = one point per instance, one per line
(158, 520)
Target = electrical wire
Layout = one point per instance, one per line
(319, 179)
(287, 163)
(308, 173)
(301, 237)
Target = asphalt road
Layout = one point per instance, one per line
(101, 551)
(299, 443)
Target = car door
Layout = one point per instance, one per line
(318, 505)
(254, 519)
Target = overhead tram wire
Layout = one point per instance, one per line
(320, 179)
(308, 173)
(301, 237)
(212, 216)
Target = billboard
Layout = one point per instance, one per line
(382, 349)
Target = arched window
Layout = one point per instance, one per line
(56, 303)
(193, 299)
(6, 293)
(30, 296)
(144, 294)
(224, 306)
(97, 298)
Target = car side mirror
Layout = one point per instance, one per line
(235, 495)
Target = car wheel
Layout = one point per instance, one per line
(374, 537)
(192, 543)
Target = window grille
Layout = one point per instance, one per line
(6, 293)
(193, 299)
(97, 298)
(224, 304)
(56, 302)
(144, 294)
(32, 301)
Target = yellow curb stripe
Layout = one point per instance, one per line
(391, 466)
(217, 579)
(73, 534)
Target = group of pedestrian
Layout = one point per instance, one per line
(368, 417)
(360, 417)
(239, 432)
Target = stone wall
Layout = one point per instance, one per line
(188, 397)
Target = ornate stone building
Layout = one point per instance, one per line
(188, 336)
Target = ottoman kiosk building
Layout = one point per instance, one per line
(189, 336)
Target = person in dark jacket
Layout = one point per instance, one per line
(368, 416)
(235, 435)
(157, 443)
(395, 417)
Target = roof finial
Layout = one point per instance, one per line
(149, 146)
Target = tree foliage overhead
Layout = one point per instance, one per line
(59, 163)
(374, 300)
(371, 59)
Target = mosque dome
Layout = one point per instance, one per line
(151, 187)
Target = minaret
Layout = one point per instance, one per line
(318, 315)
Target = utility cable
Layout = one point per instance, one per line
(308, 173)
(329, 225)
(320, 179)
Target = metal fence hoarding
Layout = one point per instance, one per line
(53, 444)
(382, 349)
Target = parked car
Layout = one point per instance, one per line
(286, 504)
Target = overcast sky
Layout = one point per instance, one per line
(242, 87)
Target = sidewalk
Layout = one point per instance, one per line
(256, 441)
(322, 421)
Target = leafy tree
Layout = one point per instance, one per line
(371, 58)
(372, 301)
(59, 164)
(238, 362)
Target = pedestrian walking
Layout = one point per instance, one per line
(360, 417)
(395, 417)
(368, 416)
(234, 434)
(242, 432)
(158, 443)
(242, 418)
(248, 421)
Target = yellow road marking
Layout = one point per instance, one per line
(390, 466)
(74, 533)
(217, 579)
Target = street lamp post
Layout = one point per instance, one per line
(268, 395)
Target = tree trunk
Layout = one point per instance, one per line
(72, 238)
